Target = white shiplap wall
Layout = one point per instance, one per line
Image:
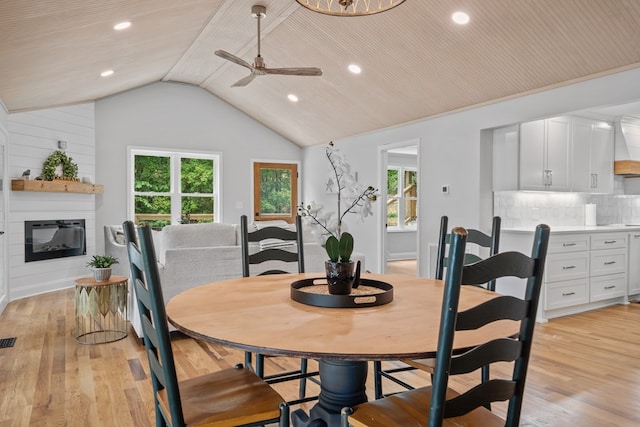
(4, 137)
(33, 136)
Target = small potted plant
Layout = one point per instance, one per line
(101, 266)
(339, 268)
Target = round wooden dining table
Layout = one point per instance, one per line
(257, 314)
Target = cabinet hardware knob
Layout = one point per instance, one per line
(609, 262)
(568, 267)
(568, 294)
(608, 242)
(610, 287)
(570, 244)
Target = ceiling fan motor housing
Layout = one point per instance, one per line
(258, 11)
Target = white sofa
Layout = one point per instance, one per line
(193, 254)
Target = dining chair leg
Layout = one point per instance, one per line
(485, 377)
(303, 381)
(248, 362)
(284, 415)
(344, 416)
(260, 365)
(377, 379)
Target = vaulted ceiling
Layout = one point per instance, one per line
(416, 63)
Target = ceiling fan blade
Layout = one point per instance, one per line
(245, 81)
(229, 57)
(301, 71)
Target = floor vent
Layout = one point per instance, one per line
(7, 342)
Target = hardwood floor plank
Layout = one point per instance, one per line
(584, 370)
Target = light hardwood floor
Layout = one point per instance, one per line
(407, 266)
(585, 370)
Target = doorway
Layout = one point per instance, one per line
(399, 208)
(275, 191)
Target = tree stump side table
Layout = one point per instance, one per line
(101, 310)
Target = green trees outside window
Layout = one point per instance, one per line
(402, 197)
(275, 191)
(173, 187)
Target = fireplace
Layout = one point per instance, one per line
(54, 239)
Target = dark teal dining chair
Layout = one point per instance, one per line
(230, 397)
(281, 250)
(440, 404)
(481, 241)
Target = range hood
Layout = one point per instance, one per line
(627, 147)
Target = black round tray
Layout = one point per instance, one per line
(341, 301)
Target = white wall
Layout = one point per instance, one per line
(450, 153)
(4, 137)
(180, 116)
(33, 136)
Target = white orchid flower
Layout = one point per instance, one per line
(350, 193)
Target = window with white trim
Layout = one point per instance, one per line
(172, 187)
(402, 197)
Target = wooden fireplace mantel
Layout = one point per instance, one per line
(56, 186)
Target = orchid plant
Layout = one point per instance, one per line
(356, 198)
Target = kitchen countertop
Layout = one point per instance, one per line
(611, 228)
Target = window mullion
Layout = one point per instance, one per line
(176, 196)
(401, 199)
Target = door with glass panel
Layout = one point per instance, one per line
(275, 191)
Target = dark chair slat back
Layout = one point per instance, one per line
(511, 349)
(492, 242)
(271, 254)
(148, 292)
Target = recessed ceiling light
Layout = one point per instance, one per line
(460, 18)
(106, 73)
(122, 25)
(355, 69)
(292, 97)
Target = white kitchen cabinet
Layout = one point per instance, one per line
(608, 272)
(556, 154)
(606, 287)
(592, 149)
(566, 276)
(634, 265)
(567, 293)
(583, 271)
(505, 158)
(545, 154)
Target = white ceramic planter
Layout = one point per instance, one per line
(101, 274)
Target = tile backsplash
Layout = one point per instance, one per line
(527, 209)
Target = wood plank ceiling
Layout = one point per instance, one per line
(416, 63)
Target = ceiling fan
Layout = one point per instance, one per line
(258, 68)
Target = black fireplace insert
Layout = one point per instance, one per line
(54, 239)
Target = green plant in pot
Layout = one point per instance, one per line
(101, 266)
(340, 269)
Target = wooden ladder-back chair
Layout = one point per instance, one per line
(439, 405)
(270, 248)
(481, 240)
(230, 397)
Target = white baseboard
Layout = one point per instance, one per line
(4, 301)
(41, 288)
(398, 256)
